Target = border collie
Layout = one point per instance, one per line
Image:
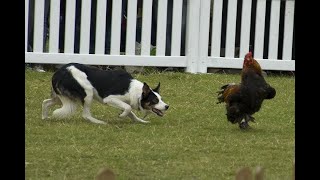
(75, 82)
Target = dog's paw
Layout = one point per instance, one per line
(124, 114)
(98, 122)
(142, 121)
(94, 120)
(102, 122)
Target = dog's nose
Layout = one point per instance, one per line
(167, 107)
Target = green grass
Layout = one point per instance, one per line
(192, 141)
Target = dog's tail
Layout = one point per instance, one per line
(68, 107)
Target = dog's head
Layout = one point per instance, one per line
(151, 100)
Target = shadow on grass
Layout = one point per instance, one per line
(250, 130)
(117, 122)
(130, 122)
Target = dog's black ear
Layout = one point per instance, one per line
(157, 89)
(145, 89)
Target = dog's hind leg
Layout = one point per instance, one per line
(86, 108)
(132, 116)
(68, 107)
(46, 104)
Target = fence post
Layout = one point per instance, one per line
(26, 6)
(192, 36)
(204, 20)
(38, 26)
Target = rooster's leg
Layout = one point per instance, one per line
(249, 118)
(243, 124)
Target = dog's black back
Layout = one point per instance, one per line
(113, 82)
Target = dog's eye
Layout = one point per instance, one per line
(155, 101)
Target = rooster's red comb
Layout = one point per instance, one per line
(248, 55)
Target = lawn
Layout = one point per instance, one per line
(193, 140)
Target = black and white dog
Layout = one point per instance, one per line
(77, 82)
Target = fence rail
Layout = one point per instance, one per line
(194, 34)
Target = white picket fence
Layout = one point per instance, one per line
(197, 38)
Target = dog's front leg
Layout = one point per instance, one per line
(135, 118)
(114, 102)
